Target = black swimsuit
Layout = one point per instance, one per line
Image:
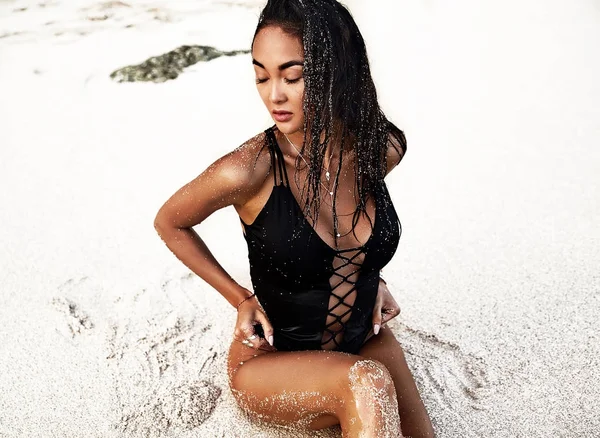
(316, 297)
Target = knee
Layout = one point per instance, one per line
(372, 374)
(374, 402)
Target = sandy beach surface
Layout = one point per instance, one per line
(104, 333)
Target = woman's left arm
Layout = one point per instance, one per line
(386, 306)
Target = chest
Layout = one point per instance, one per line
(284, 247)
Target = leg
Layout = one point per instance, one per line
(386, 349)
(315, 389)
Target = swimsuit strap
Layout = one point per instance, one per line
(277, 160)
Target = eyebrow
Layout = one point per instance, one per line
(282, 66)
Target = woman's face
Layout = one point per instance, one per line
(278, 59)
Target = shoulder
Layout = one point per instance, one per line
(245, 161)
(246, 167)
(232, 179)
(395, 147)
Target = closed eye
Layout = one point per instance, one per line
(292, 81)
(260, 81)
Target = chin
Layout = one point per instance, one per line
(289, 127)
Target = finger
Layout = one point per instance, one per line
(247, 335)
(263, 344)
(395, 311)
(377, 319)
(389, 314)
(238, 334)
(267, 327)
(258, 343)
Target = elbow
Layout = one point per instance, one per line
(158, 227)
(163, 224)
(168, 220)
(160, 222)
(162, 228)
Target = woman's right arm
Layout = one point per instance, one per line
(231, 180)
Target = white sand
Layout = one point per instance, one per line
(105, 333)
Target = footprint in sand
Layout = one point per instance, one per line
(161, 348)
(183, 408)
(453, 376)
(78, 321)
(156, 373)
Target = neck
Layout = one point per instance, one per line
(297, 138)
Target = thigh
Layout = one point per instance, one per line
(302, 388)
(385, 348)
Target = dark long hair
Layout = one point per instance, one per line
(340, 101)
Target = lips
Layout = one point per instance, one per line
(282, 116)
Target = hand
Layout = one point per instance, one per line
(386, 307)
(251, 313)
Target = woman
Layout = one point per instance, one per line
(320, 225)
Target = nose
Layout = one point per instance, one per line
(277, 94)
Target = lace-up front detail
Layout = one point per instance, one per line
(347, 264)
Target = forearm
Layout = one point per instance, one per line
(188, 247)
